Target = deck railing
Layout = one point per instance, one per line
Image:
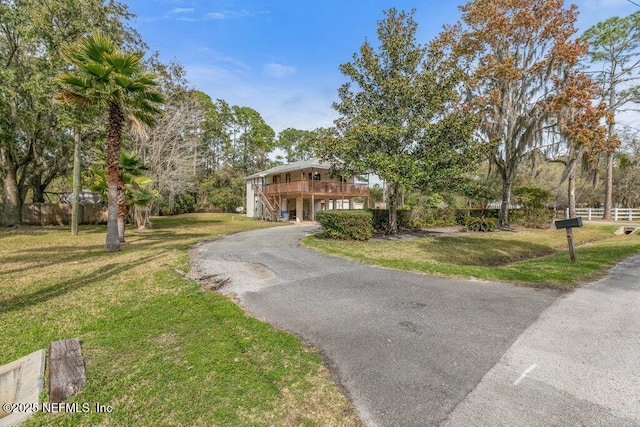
(317, 188)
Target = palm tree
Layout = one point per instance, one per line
(138, 191)
(113, 81)
(133, 187)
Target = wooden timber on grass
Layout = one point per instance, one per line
(66, 370)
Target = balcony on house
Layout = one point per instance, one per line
(317, 188)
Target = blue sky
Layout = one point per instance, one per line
(281, 57)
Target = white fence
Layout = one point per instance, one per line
(617, 214)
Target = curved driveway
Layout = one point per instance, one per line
(408, 348)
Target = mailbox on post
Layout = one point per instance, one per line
(568, 224)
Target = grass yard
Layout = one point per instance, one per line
(531, 257)
(157, 349)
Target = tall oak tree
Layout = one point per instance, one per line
(513, 51)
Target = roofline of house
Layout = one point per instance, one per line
(302, 164)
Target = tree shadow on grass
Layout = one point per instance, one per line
(474, 251)
(34, 258)
(46, 256)
(57, 289)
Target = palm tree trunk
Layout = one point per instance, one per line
(114, 138)
(122, 209)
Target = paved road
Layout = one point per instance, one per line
(579, 364)
(408, 348)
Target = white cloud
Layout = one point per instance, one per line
(227, 14)
(278, 71)
(300, 106)
(178, 10)
(187, 14)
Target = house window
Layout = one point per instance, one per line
(316, 176)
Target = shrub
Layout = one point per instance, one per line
(380, 218)
(346, 224)
(178, 204)
(534, 213)
(481, 223)
(421, 217)
(461, 215)
(532, 218)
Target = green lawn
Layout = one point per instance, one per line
(157, 349)
(531, 257)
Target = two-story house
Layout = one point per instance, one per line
(298, 190)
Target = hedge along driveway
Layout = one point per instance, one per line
(346, 224)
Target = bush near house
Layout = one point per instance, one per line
(533, 218)
(419, 217)
(346, 224)
(481, 223)
(534, 212)
(424, 217)
(380, 219)
(463, 215)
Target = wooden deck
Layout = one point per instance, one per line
(317, 188)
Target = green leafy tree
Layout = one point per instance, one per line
(211, 136)
(376, 194)
(479, 193)
(35, 141)
(115, 82)
(626, 190)
(397, 116)
(142, 197)
(138, 190)
(223, 190)
(614, 51)
(130, 178)
(219, 135)
(533, 212)
(297, 144)
(251, 140)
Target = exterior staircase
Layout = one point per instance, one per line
(271, 207)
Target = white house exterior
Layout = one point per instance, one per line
(298, 190)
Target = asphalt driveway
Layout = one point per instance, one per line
(408, 348)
